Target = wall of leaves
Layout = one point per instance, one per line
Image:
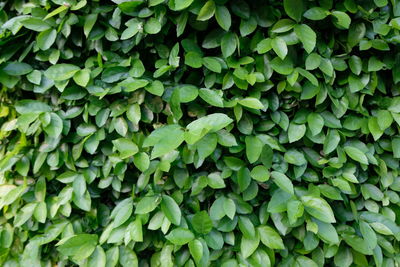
(199, 133)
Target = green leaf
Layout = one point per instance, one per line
(16, 68)
(79, 247)
(251, 102)
(164, 140)
(315, 123)
(223, 17)
(98, 258)
(31, 106)
(355, 64)
(356, 34)
(331, 142)
(207, 11)
(254, 147)
(127, 257)
(212, 97)
(122, 212)
(126, 147)
(342, 19)
(155, 88)
(171, 209)
(202, 223)
(61, 72)
(294, 8)
(55, 127)
(270, 237)
(283, 182)
(316, 13)
(356, 154)
(212, 64)
(229, 208)
(369, 234)
(279, 46)
(284, 67)
(147, 205)
(181, 4)
(396, 147)
(215, 181)
(244, 178)
(296, 132)
(295, 157)
(249, 245)
(327, 232)
(210, 123)
(46, 39)
(82, 77)
(307, 36)
(152, 26)
(260, 173)
(385, 119)
(196, 250)
(313, 61)
(228, 44)
(180, 236)
(318, 208)
(141, 161)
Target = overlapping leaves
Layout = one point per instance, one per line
(199, 133)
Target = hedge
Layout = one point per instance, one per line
(199, 133)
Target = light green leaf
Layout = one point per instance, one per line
(342, 19)
(164, 139)
(79, 246)
(180, 236)
(171, 209)
(126, 147)
(147, 204)
(249, 245)
(279, 46)
(212, 97)
(210, 123)
(283, 182)
(294, 8)
(307, 36)
(270, 237)
(318, 208)
(228, 44)
(296, 132)
(315, 123)
(207, 11)
(60, 72)
(251, 102)
(356, 154)
(223, 17)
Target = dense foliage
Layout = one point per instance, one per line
(199, 133)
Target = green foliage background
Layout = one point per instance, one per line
(199, 133)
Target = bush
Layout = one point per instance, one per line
(199, 133)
